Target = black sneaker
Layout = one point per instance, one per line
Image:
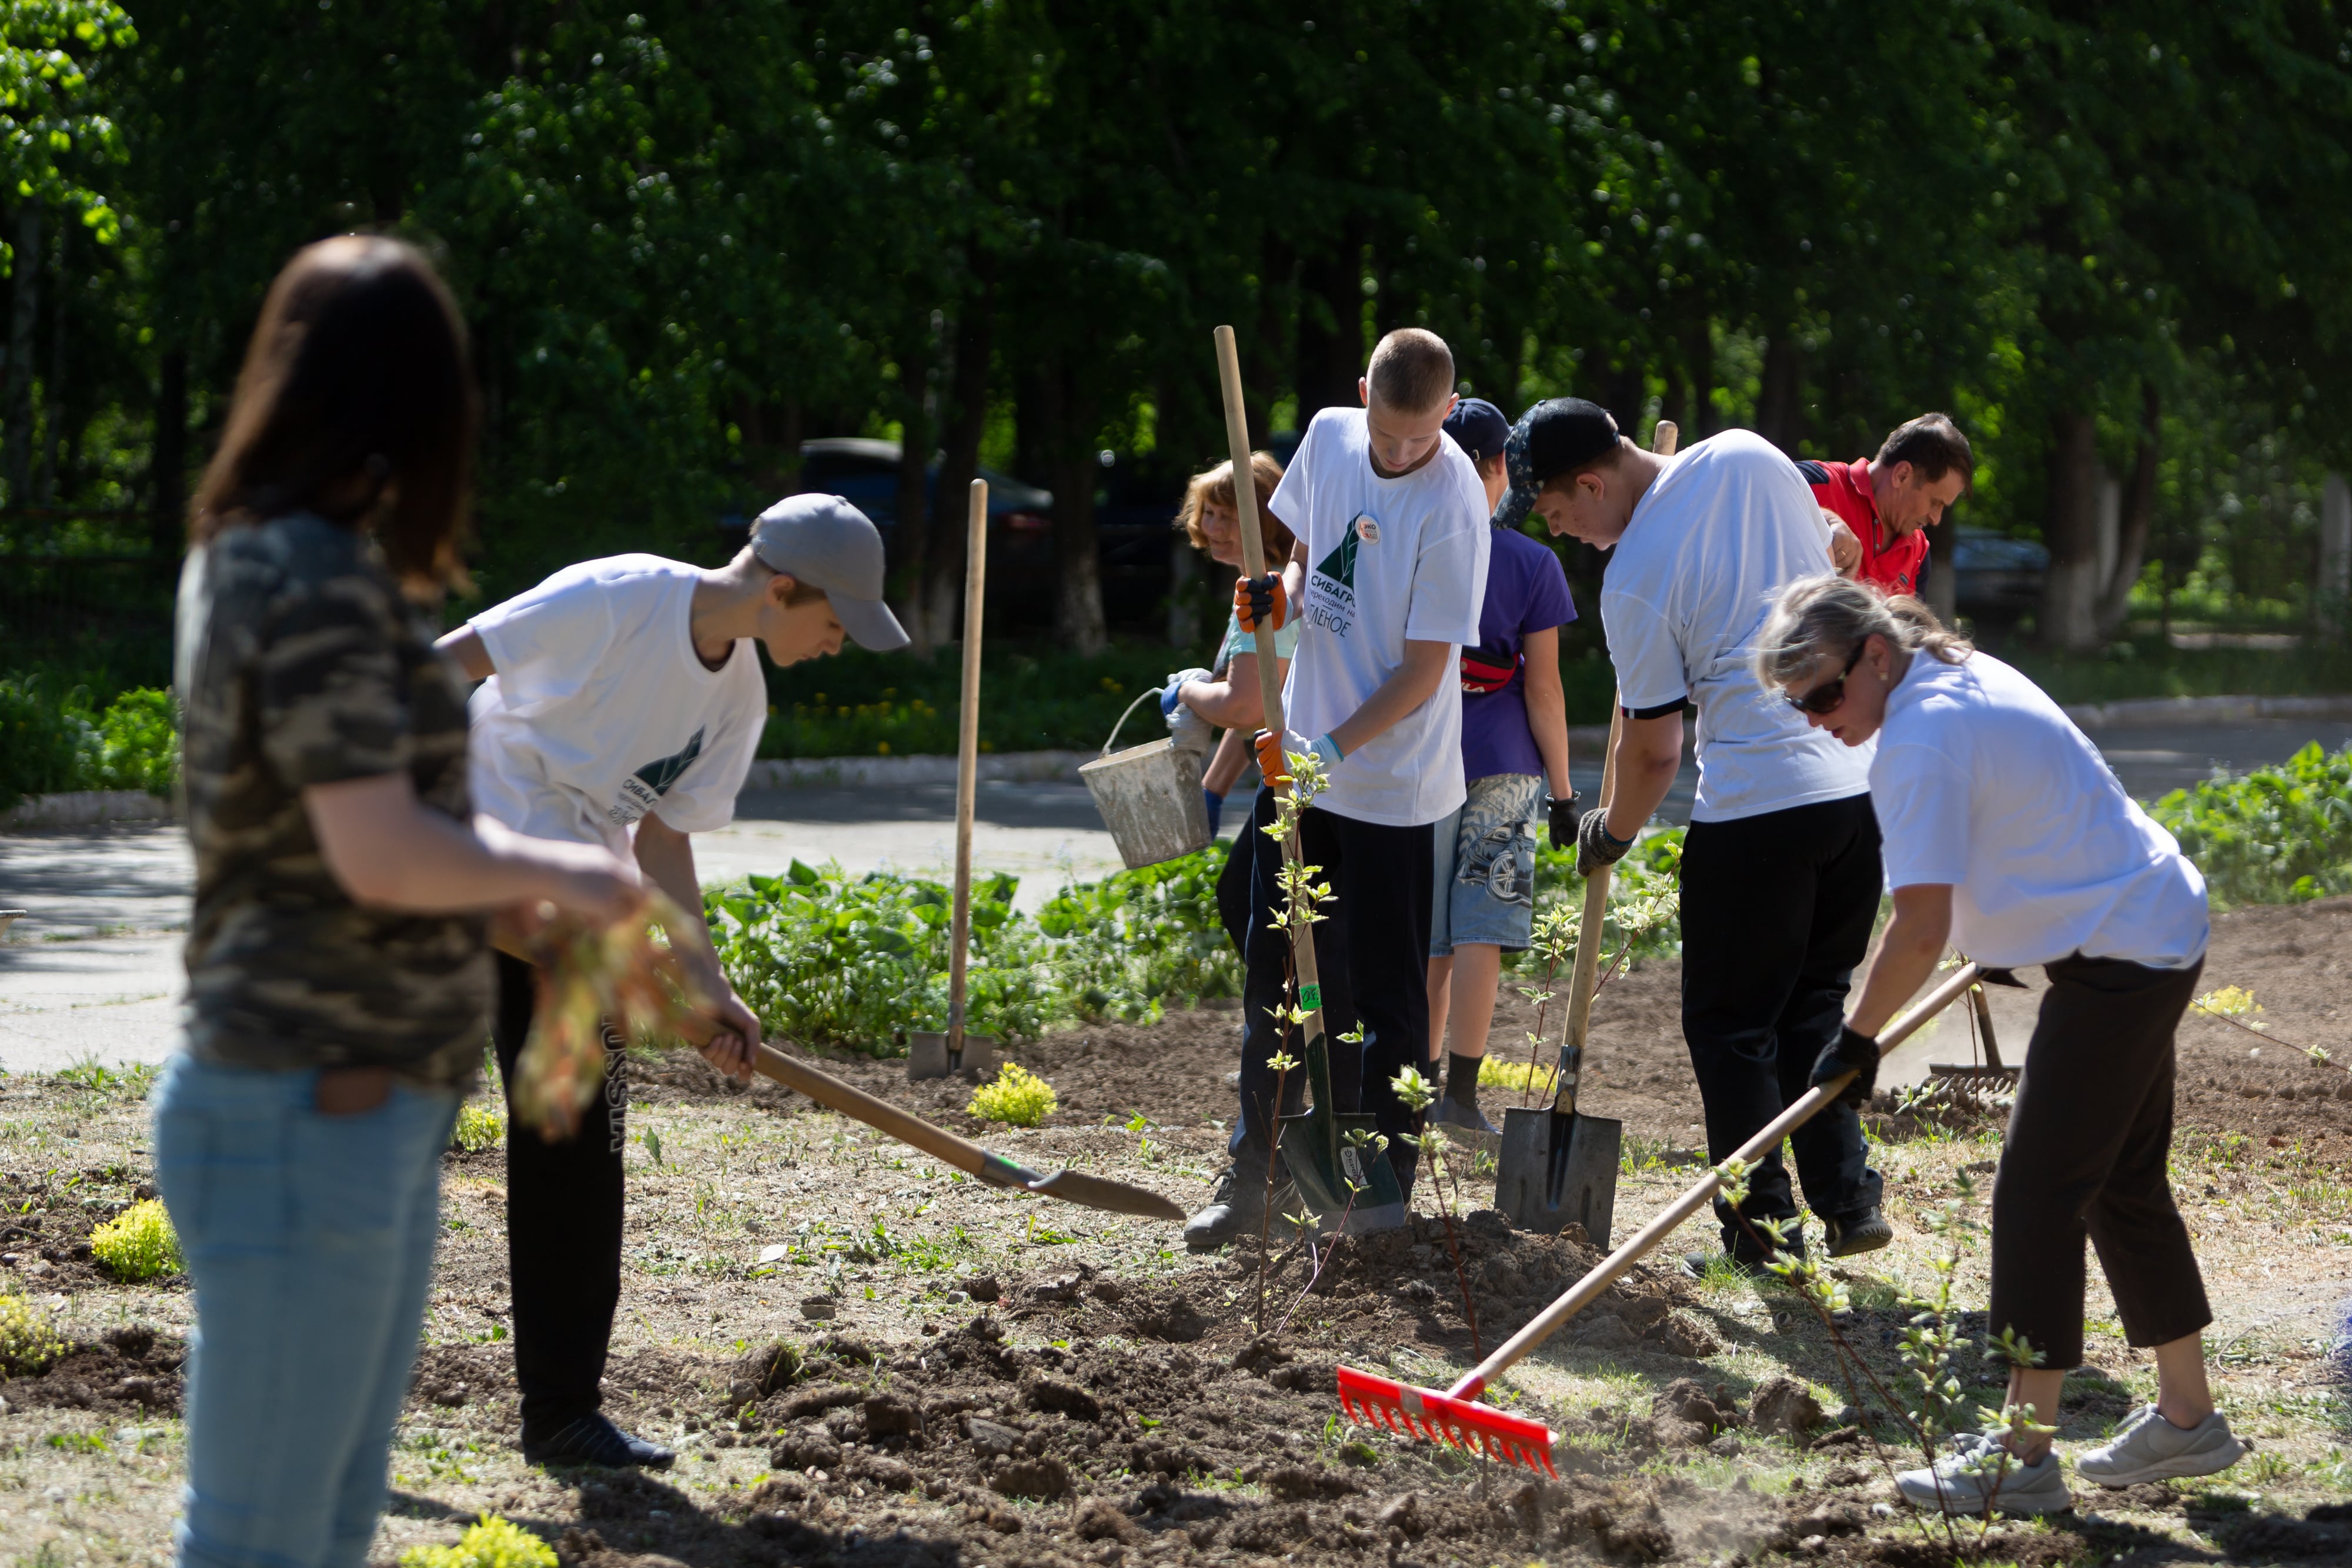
(1237, 1209)
(595, 1440)
(1867, 1233)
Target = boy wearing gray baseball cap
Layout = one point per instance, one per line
(620, 704)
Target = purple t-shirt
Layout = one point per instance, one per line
(1525, 591)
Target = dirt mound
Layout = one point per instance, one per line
(129, 1370)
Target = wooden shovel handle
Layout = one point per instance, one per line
(833, 1093)
(975, 583)
(1585, 1291)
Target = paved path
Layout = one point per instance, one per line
(92, 969)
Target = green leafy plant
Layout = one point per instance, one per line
(2276, 835)
(1015, 1096)
(28, 1341)
(53, 740)
(490, 1541)
(478, 1127)
(824, 957)
(138, 1243)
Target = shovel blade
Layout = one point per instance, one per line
(1544, 1185)
(1110, 1197)
(928, 1056)
(1324, 1165)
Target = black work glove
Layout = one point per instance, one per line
(1596, 846)
(1562, 819)
(1854, 1053)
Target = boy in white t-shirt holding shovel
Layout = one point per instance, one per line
(1386, 581)
(620, 705)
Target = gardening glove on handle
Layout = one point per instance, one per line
(1854, 1053)
(1276, 768)
(1171, 694)
(1257, 599)
(1596, 846)
(1560, 816)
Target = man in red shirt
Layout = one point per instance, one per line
(1883, 507)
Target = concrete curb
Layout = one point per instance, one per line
(86, 809)
(1015, 767)
(2205, 710)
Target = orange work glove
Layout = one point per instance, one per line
(1261, 598)
(1271, 764)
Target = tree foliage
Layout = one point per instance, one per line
(688, 237)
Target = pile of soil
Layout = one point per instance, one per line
(129, 1370)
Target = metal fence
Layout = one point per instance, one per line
(81, 596)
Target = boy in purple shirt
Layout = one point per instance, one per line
(1514, 744)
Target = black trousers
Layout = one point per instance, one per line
(2085, 1154)
(1372, 950)
(1777, 912)
(1234, 884)
(563, 1227)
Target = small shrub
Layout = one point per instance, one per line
(2230, 1002)
(28, 1342)
(2276, 835)
(479, 1127)
(1018, 1098)
(138, 1243)
(489, 1542)
(138, 745)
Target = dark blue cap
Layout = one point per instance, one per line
(1479, 428)
(1557, 434)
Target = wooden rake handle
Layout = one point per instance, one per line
(1582, 1295)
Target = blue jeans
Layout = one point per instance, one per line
(310, 1238)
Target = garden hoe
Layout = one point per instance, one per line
(930, 1055)
(1345, 1182)
(1456, 1418)
(1070, 1187)
(1559, 1167)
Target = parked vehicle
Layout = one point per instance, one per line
(864, 472)
(1999, 576)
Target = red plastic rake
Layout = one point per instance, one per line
(1455, 1418)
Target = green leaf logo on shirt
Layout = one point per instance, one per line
(659, 776)
(1339, 566)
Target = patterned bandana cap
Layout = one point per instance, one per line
(1554, 436)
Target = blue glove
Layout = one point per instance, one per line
(1215, 805)
(1169, 698)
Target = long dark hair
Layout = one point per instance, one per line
(356, 402)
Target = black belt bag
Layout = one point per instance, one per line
(1488, 670)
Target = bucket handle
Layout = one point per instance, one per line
(1124, 717)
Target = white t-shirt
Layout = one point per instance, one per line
(1388, 560)
(1983, 784)
(602, 711)
(1717, 535)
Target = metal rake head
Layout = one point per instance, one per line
(1443, 1418)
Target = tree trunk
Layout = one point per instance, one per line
(2138, 512)
(1331, 326)
(53, 389)
(1780, 400)
(962, 423)
(1071, 418)
(2070, 594)
(907, 510)
(1699, 370)
(168, 463)
(23, 322)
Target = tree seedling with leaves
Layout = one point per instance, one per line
(1418, 1095)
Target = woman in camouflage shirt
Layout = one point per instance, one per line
(338, 983)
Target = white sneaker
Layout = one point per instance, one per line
(2147, 1448)
(1981, 1469)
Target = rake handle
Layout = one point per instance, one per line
(1582, 1295)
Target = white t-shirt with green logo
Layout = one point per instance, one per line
(1389, 560)
(601, 710)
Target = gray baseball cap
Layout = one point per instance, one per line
(827, 543)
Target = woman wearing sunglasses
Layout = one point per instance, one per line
(2006, 834)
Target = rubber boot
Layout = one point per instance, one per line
(1237, 1209)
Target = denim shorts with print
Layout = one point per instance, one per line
(1484, 889)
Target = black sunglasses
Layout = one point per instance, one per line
(1823, 699)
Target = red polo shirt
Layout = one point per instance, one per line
(1900, 565)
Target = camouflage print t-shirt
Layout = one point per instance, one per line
(301, 663)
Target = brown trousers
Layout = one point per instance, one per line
(2086, 1156)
